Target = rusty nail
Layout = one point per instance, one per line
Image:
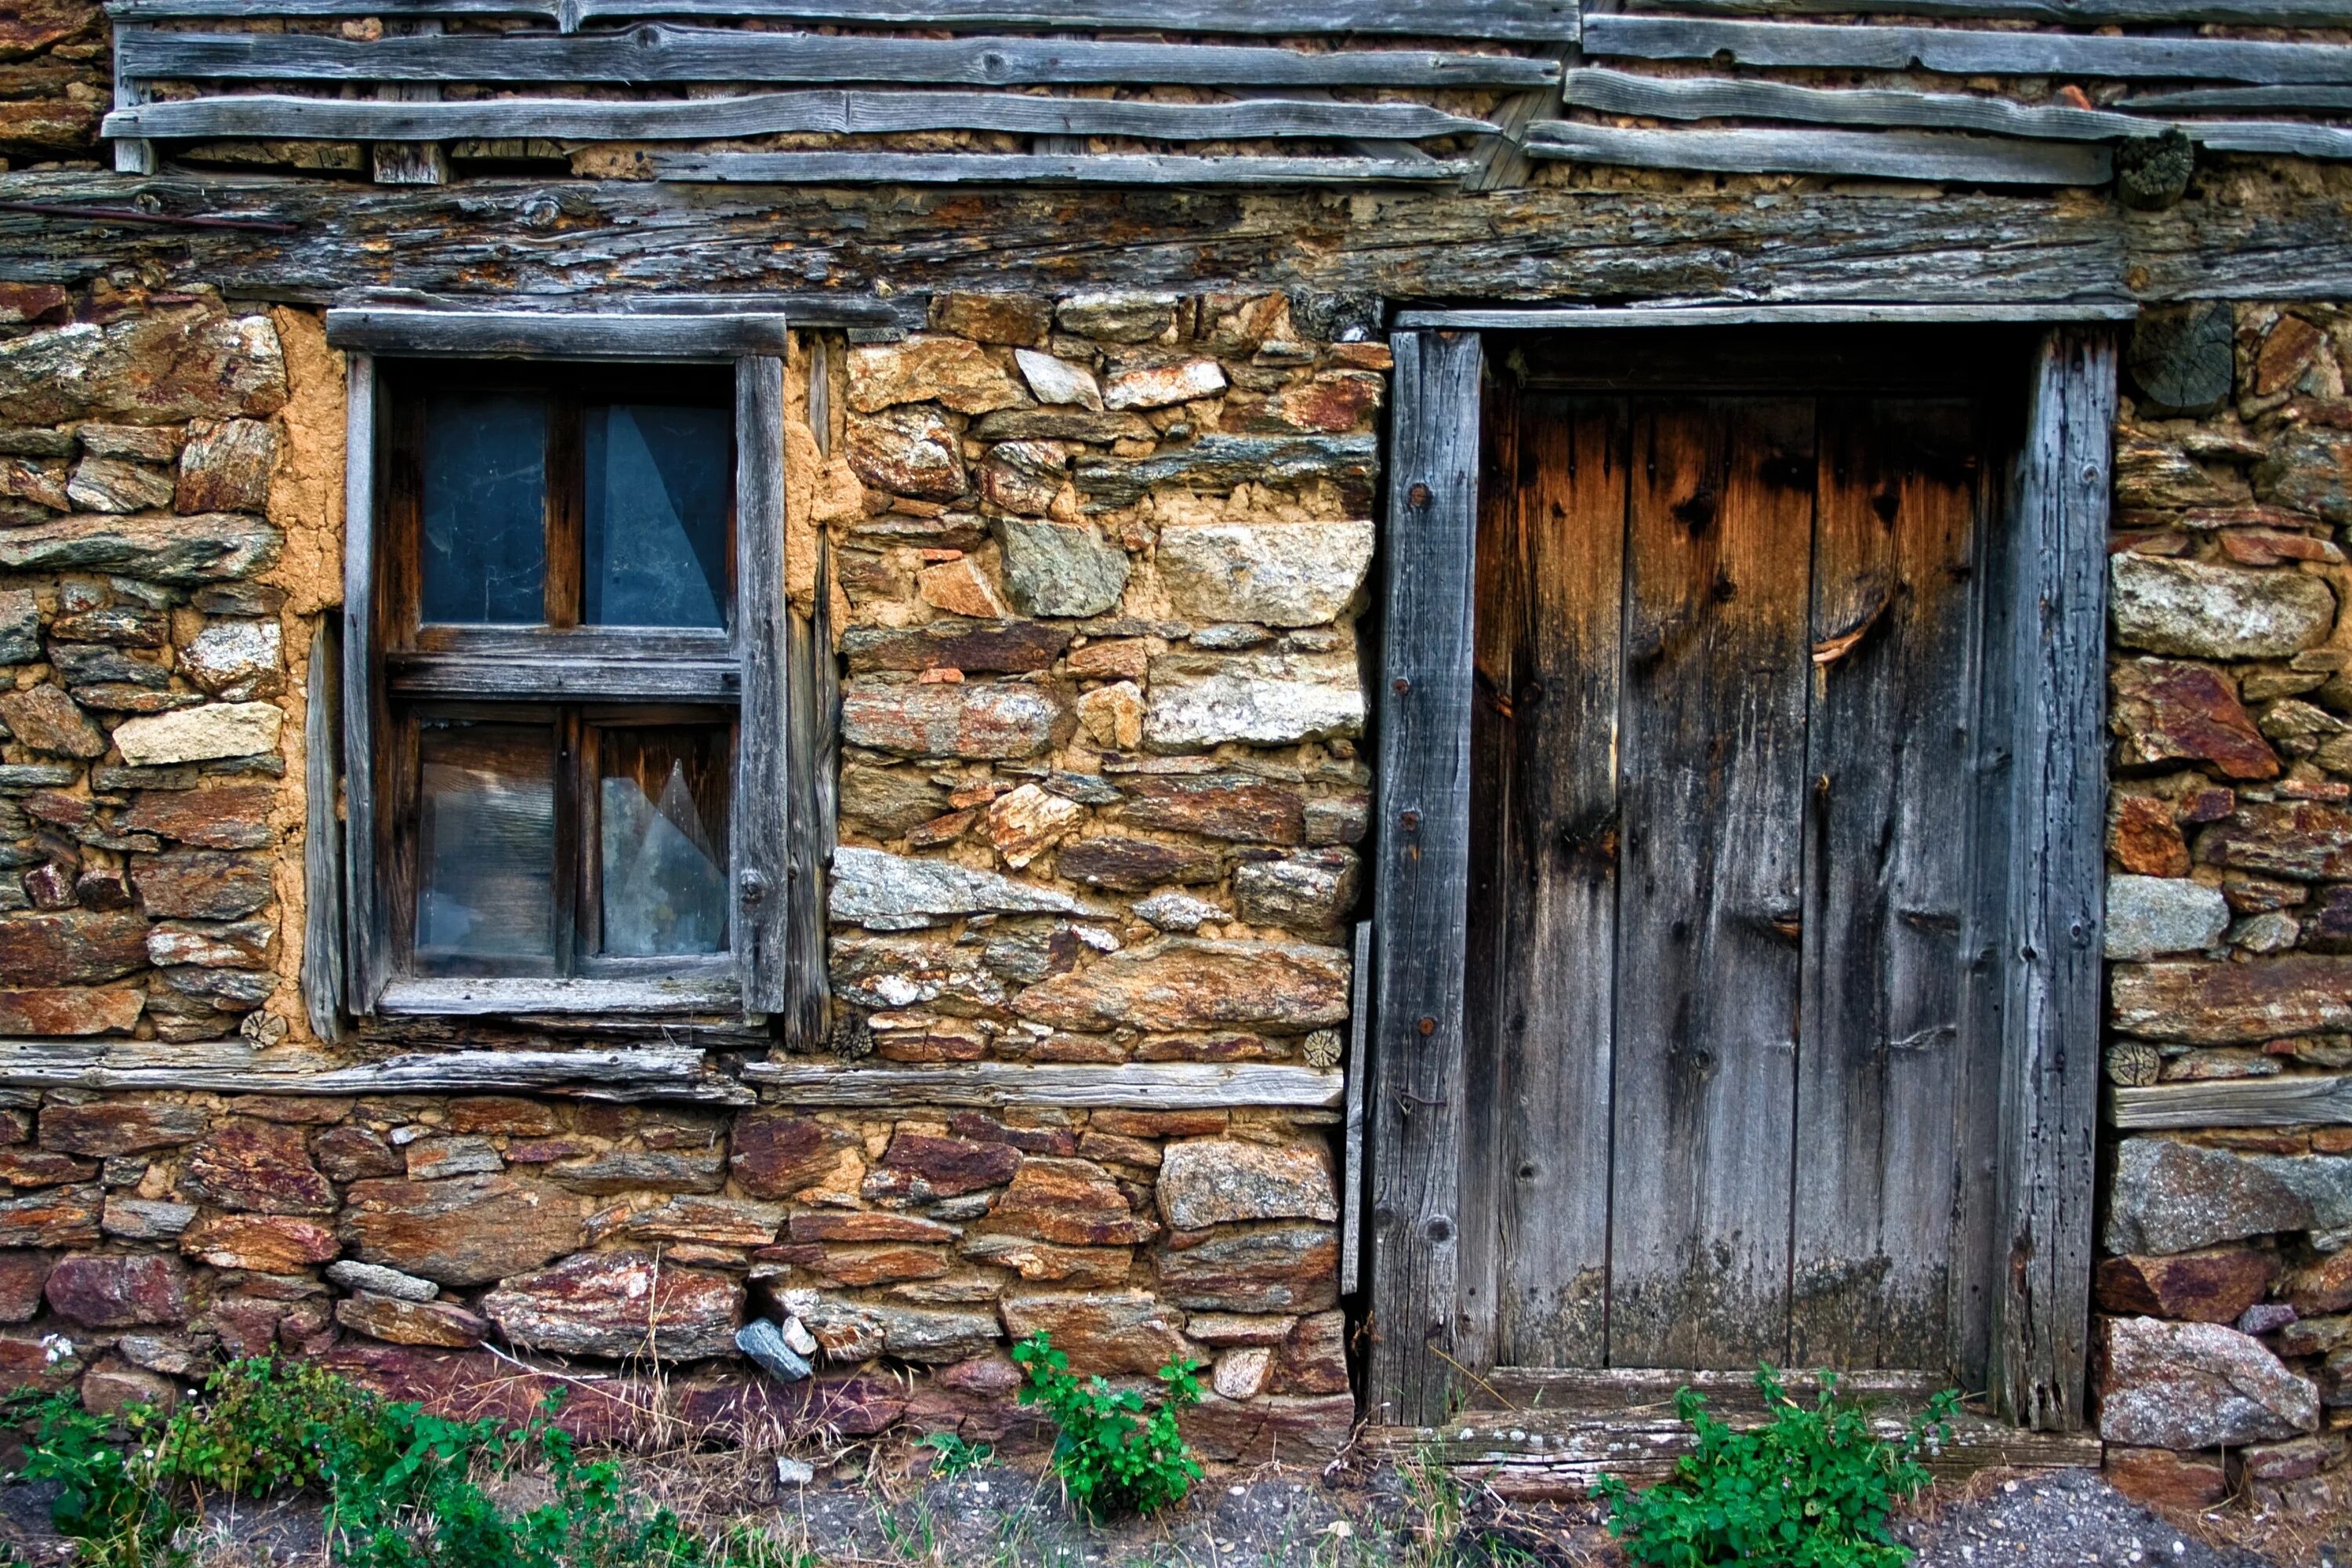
(1429, 1026)
(1401, 686)
(1412, 820)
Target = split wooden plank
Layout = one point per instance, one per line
(1573, 318)
(658, 52)
(2217, 99)
(1964, 51)
(759, 114)
(1728, 98)
(322, 832)
(1040, 169)
(1878, 1067)
(1515, 20)
(234, 1067)
(686, 991)
(1137, 1086)
(2077, 12)
(2240, 1103)
(2292, 139)
(1711, 777)
(1351, 1165)
(517, 334)
(365, 960)
(769, 866)
(614, 679)
(800, 309)
(1420, 874)
(2049, 957)
(1881, 155)
(132, 155)
(420, 161)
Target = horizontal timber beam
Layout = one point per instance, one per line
(1506, 320)
(657, 52)
(235, 1067)
(521, 998)
(2077, 12)
(1039, 169)
(1526, 20)
(1137, 1086)
(1728, 97)
(1964, 51)
(2234, 1103)
(759, 114)
(639, 240)
(514, 334)
(1877, 154)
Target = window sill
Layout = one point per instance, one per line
(485, 998)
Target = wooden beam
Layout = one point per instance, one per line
(2049, 1088)
(569, 675)
(2076, 12)
(2218, 100)
(1354, 1065)
(511, 334)
(800, 309)
(769, 113)
(657, 52)
(767, 882)
(364, 956)
(2293, 139)
(1729, 97)
(236, 1067)
(1029, 168)
(1877, 154)
(685, 992)
(322, 832)
(1421, 875)
(1647, 316)
(132, 154)
(1138, 1086)
(2235, 1102)
(1964, 51)
(1516, 20)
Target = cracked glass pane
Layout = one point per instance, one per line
(484, 502)
(485, 841)
(662, 806)
(658, 483)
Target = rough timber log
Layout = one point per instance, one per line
(1529, 245)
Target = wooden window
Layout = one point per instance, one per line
(566, 775)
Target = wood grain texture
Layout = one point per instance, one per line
(1881, 155)
(1137, 1086)
(2292, 139)
(133, 155)
(1421, 872)
(1729, 97)
(2049, 1075)
(640, 239)
(684, 992)
(365, 958)
(768, 113)
(1039, 169)
(422, 161)
(629, 1073)
(322, 832)
(767, 873)
(1351, 1164)
(573, 675)
(1965, 51)
(2076, 13)
(1545, 813)
(1646, 316)
(661, 52)
(1711, 776)
(810, 719)
(1529, 20)
(2242, 1102)
(2216, 99)
(1885, 884)
(514, 334)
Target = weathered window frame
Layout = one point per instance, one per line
(776, 896)
(2041, 778)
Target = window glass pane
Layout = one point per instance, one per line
(658, 476)
(486, 842)
(662, 866)
(485, 507)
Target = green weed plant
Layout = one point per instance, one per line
(1115, 1454)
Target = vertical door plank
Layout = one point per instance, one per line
(322, 832)
(365, 969)
(1877, 1059)
(1556, 896)
(2049, 1065)
(1421, 878)
(764, 843)
(1712, 770)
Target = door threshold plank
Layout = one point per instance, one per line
(1604, 1391)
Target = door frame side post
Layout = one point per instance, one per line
(1421, 878)
(2055, 893)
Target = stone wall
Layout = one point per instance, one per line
(2226, 1284)
(1092, 565)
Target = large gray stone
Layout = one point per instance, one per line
(1306, 892)
(1058, 381)
(1118, 318)
(2173, 1196)
(2149, 915)
(2310, 469)
(883, 891)
(210, 547)
(2207, 611)
(1060, 569)
(979, 719)
(1279, 573)
(1216, 1181)
(1271, 698)
(2198, 1386)
(145, 367)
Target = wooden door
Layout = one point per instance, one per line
(1718, 1066)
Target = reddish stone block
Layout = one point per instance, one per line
(2164, 1479)
(492, 1116)
(104, 1128)
(23, 1276)
(40, 1168)
(78, 947)
(1073, 1202)
(264, 1244)
(981, 1129)
(2144, 836)
(116, 1290)
(223, 817)
(2167, 711)
(114, 1385)
(1216, 806)
(2211, 1287)
(59, 1217)
(2322, 1287)
(467, 1230)
(952, 1166)
(203, 884)
(776, 1153)
(355, 1153)
(261, 1167)
(1312, 1357)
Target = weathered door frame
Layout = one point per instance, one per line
(2036, 970)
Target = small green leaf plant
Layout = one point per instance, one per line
(1115, 1455)
(952, 1455)
(1812, 1487)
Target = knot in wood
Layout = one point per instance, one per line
(1419, 495)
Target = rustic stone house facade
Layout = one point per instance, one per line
(1113, 847)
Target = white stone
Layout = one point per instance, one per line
(235, 657)
(1058, 381)
(1163, 385)
(1242, 1374)
(2149, 915)
(354, 1275)
(2198, 1386)
(1277, 573)
(200, 734)
(1179, 911)
(2206, 611)
(1113, 715)
(883, 891)
(1273, 699)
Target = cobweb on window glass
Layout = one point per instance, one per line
(664, 877)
